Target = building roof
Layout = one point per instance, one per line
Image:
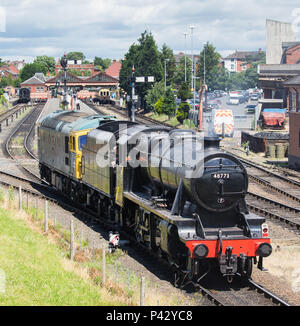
(114, 69)
(37, 79)
(288, 45)
(279, 69)
(241, 54)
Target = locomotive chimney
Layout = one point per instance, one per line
(211, 142)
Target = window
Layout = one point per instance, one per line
(66, 145)
(82, 141)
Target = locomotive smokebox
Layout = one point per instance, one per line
(212, 142)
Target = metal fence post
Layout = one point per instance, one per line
(72, 240)
(46, 216)
(20, 198)
(103, 264)
(142, 294)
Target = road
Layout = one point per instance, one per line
(242, 120)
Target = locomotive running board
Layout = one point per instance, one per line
(148, 205)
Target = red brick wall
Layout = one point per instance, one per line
(294, 121)
(34, 87)
(293, 55)
(240, 63)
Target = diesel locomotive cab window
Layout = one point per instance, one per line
(66, 145)
(82, 141)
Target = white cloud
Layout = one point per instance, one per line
(108, 27)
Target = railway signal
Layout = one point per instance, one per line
(64, 63)
(133, 80)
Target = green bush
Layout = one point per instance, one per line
(158, 106)
(183, 111)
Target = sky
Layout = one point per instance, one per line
(106, 29)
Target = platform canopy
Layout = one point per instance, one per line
(100, 79)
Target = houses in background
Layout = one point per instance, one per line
(11, 69)
(241, 60)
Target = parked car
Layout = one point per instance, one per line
(250, 108)
(255, 97)
(234, 99)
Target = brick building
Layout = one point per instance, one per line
(77, 66)
(237, 61)
(290, 53)
(114, 69)
(36, 83)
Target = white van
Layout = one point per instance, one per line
(234, 99)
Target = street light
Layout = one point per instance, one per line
(185, 35)
(204, 48)
(166, 73)
(192, 27)
(204, 73)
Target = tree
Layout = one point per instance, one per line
(75, 56)
(6, 81)
(167, 54)
(179, 74)
(30, 69)
(183, 111)
(48, 62)
(168, 103)
(130, 60)
(158, 106)
(154, 94)
(102, 64)
(145, 57)
(184, 92)
(209, 59)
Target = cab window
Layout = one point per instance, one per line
(82, 141)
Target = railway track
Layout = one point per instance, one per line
(123, 112)
(273, 194)
(18, 144)
(249, 294)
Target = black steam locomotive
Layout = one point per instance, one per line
(180, 198)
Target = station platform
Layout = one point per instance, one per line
(52, 105)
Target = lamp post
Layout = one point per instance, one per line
(166, 73)
(204, 73)
(204, 62)
(192, 27)
(185, 35)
